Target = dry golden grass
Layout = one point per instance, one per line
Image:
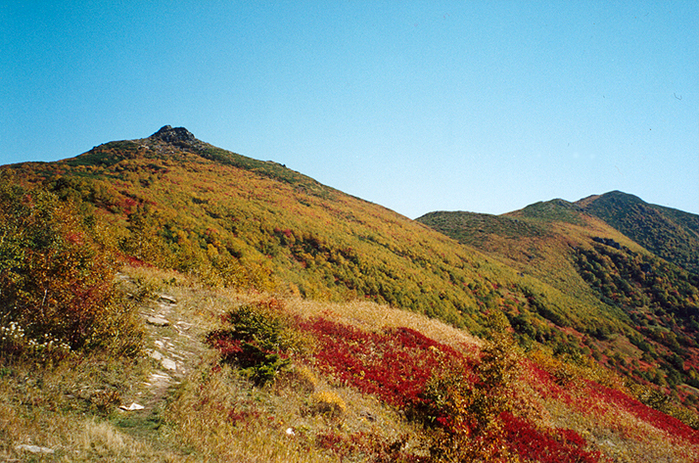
(215, 415)
(72, 437)
(219, 416)
(327, 402)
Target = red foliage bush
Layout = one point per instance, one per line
(593, 398)
(395, 364)
(398, 364)
(674, 427)
(531, 443)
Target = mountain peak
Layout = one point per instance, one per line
(172, 135)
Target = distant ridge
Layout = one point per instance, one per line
(670, 233)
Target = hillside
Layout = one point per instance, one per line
(563, 245)
(668, 233)
(173, 201)
(257, 315)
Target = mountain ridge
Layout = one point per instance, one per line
(572, 247)
(551, 289)
(669, 233)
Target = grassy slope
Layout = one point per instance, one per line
(230, 218)
(554, 240)
(227, 219)
(538, 241)
(311, 413)
(235, 220)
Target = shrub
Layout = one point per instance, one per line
(304, 379)
(395, 364)
(258, 341)
(55, 279)
(466, 410)
(533, 444)
(674, 427)
(327, 402)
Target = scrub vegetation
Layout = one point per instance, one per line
(165, 300)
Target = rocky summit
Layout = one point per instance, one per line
(173, 135)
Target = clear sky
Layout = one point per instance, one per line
(483, 106)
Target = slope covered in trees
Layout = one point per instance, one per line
(173, 201)
(561, 244)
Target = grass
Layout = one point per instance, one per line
(211, 412)
(370, 316)
(62, 408)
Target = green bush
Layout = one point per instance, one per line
(258, 340)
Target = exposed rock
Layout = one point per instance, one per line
(159, 379)
(169, 364)
(132, 407)
(167, 298)
(182, 326)
(157, 321)
(33, 448)
(173, 135)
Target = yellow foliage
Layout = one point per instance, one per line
(305, 378)
(327, 402)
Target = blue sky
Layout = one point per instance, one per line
(483, 106)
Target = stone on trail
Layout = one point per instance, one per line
(157, 321)
(158, 380)
(132, 407)
(33, 448)
(169, 364)
(167, 298)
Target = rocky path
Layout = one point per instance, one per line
(174, 345)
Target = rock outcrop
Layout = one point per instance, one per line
(174, 135)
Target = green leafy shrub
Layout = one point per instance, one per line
(258, 340)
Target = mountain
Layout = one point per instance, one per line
(240, 301)
(173, 201)
(668, 233)
(564, 245)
